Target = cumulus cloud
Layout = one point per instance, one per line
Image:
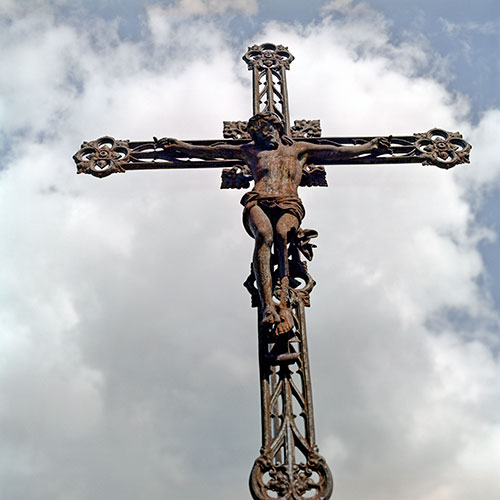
(129, 350)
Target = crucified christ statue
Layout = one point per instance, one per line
(273, 210)
(279, 158)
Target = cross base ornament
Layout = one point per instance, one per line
(277, 158)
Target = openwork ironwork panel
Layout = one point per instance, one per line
(268, 63)
(102, 157)
(441, 148)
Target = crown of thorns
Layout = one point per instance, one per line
(257, 120)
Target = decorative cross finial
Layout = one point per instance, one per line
(268, 56)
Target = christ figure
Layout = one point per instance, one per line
(273, 210)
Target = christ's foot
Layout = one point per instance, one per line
(286, 321)
(270, 315)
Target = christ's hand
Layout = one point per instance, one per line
(381, 145)
(167, 142)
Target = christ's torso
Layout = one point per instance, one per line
(277, 172)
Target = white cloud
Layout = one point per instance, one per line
(484, 172)
(129, 352)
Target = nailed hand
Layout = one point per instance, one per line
(167, 142)
(381, 145)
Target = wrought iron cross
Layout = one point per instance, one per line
(278, 158)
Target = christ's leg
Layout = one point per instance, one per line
(286, 224)
(262, 230)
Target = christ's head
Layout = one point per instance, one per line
(265, 129)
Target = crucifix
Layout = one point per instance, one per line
(277, 158)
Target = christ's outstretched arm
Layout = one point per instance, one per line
(319, 152)
(173, 147)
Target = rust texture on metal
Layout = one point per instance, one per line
(277, 158)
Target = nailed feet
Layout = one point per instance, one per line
(270, 316)
(286, 321)
(283, 320)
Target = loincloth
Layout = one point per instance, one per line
(273, 206)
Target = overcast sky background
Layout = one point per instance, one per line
(128, 350)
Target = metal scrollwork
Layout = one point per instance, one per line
(302, 129)
(306, 128)
(102, 157)
(442, 149)
(311, 479)
(267, 56)
(235, 130)
(313, 176)
(237, 177)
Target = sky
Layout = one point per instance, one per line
(128, 365)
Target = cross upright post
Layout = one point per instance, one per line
(277, 158)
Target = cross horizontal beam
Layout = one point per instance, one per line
(107, 155)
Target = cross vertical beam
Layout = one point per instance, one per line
(289, 466)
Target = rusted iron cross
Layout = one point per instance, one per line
(278, 158)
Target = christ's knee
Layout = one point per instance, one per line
(284, 231)
(264, 239)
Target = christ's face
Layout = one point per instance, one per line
(267, 135)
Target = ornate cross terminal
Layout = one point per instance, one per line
(277, 158)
